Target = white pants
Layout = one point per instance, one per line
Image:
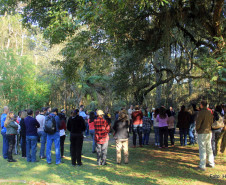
(205, 148)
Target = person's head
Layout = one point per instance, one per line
(153, 109)
(194, 106)
(131, 107)
(162, 112)
(43, 110)
(23, 114)
(75, 113)
(156, 112)
(6, 109)
(182, 108)
(55, 111)
(29, 112)
(19, 113)
(100, 113)
(122, 115)
(37, 112)
(145, 112)
(48, 109)
(171, 108)
(168, 112)
(63, 111)
(81, 107)
(9, 118)
(92, 116)
(203, 104)
(137, 107)
(218, 108)
(72, 112)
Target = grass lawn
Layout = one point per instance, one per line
(148, 165)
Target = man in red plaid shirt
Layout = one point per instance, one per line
(102, 129)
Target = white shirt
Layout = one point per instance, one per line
(130, 111)
(41, 119)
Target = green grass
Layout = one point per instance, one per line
(148, 165)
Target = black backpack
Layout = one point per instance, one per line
(50, 124)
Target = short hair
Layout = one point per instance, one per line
(23, 114)
(75, 113)
(137, 107)
(204, 103)
(29, 112)
(81, 106)
(55, 110)
(44, 109)
(218, 108)
(182, 108)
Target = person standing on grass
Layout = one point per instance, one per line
(91, 119)
(216, 132)
(53, 137)
(130, 111)
(41, 119)
(193, 113)
(147, 124)
(102, 129)
(11, 132)
(82, 113)
(137, 117)
(5, 145)
(23, 133)
(156, 127)
(171, 128)
(121, 135)
(163, 127)
(184, 119)
(76, 126)
(63, 128)
(31, 125)
(204, 122)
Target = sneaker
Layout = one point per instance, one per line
(208, 165)
(79, 164)
(200, 169)
(12, 160)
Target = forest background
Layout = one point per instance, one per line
(111, 53)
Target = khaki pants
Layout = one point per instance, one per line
(122, 144)
(222, 142)
(205, 149)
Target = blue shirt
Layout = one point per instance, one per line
(83, 114)
(31, 125)
(57, 119)
(3, 118)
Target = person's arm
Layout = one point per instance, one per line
(37, 124)
(199, 120)
(69, 125)
(14, 125)
(107, 127)
(157, 118)
(3, 121)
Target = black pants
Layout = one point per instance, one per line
(11, 141)
(171, 134)
(62, 139)
(76, 148)
(137, 130)
(163, 135)
(23, 145)
(215, 136)
(102, 150)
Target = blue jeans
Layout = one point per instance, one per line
(87, 129)
(92, 133)
(42, 136)
(156, 130)
(5, 146)
(146, 136)
(50, 139)
(31, 144)
(183, 136)
(191, 135)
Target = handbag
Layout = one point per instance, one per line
(219, 123)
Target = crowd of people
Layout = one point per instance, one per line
(203, 125)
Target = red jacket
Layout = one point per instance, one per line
(102, 129)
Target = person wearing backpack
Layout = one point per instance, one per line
(31, 125)
(52, 128)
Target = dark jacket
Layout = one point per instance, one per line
(11, 128)
(31, 126)
(204, 121)
(22, 128)
(184, 120)
(121, 129)
(76, 125)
